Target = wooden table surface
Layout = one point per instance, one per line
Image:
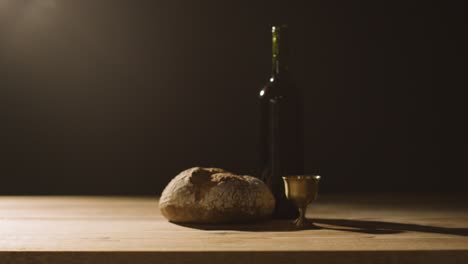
(354, 229)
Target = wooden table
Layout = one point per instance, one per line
(354, 229)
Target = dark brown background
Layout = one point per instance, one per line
(117, 97)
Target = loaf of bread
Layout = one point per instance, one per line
(212, 196)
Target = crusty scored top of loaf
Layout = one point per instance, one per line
(192, 185)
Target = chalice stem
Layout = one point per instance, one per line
(301, 221)
(302, 218)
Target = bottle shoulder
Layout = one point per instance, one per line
(278, 87)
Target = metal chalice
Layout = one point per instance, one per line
(301, 190)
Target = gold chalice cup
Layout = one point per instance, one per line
(301, 190)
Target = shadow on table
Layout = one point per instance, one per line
(346, 225)
(379, 227)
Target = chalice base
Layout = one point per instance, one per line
(302, 222)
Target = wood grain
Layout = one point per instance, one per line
(353, 229)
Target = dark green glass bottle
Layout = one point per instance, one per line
(281, 127)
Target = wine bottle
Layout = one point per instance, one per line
(281, 126)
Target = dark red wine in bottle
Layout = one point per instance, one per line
(281, 127)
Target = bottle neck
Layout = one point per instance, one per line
(279, 49)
